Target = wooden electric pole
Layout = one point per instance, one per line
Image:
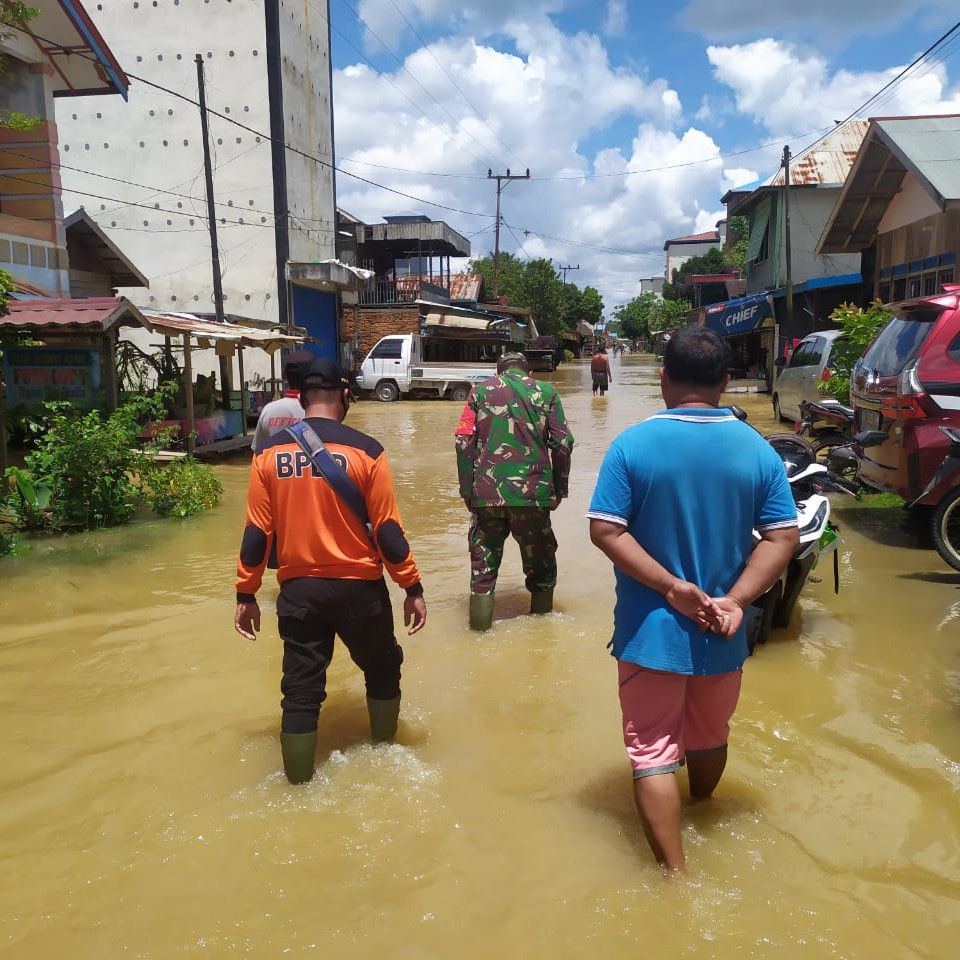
(500, 178)
(564, 270)
(786, 238)
(225, 365)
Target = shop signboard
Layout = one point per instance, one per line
(34, 375)
(743, 315)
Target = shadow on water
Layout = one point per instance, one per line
(891, 526)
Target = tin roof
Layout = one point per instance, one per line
(925, 147)
(828, 160)
(711, 236)
(90, 314)
(81, 226)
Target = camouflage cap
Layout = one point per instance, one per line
(513, 360)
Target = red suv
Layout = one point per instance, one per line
(907, 384)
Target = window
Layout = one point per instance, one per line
(390, 349)
(808, 352)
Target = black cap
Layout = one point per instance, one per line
(325, 374)
(296, 366)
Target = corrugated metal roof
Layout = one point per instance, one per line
(828, 160)
(928, 147)
(92, 314)
(208, 332)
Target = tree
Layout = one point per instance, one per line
(859, 325)
(6, 288)
(738, 236)
(540, 291)
(648, 314)
(710, 262)
(592, 305)
(510, 279)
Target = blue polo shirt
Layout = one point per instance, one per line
(690, 485)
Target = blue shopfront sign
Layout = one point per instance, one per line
(739, 316)
(36, 374)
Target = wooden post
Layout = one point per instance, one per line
(188, 393)
(243, 391)
(108, 365)
(3, 424)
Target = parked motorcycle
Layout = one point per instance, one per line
(810, 482)
(825, 423)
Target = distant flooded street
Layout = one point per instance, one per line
(143, 812)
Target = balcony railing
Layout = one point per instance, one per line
(403, 290)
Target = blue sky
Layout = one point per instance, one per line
(634, 117)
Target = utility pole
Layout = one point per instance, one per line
(500, 178)
(225, 364)
(786, 237)
(563, 289)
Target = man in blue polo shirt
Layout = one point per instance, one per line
(675, 506)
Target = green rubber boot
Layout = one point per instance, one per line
(383, 718)
(298, 750)
(541, 601)
(481, 611)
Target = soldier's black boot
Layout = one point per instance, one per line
(383, 717)
(481, 611)
(541, 601)
(298, 750)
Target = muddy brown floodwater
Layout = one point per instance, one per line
(143, 813)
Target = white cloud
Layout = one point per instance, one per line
(826, 19)
(617, 18)
(542, 106)
(792, 93)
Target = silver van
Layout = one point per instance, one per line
(797, 381)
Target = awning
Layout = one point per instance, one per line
(740, 316)
(209, 333)
(757, 230)
(821, 283)
(328, 275)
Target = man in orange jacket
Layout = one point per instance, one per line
(330, 573)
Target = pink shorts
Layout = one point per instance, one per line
(668, 715)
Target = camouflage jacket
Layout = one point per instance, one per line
(513, 443)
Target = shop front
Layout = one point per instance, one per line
(749, 325)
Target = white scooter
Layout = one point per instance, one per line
(810, 481)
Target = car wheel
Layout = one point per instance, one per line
(459, 393)
(777, 414)
(386, 391)
(946, 528)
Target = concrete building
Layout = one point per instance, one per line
(137, 167)
(33, 239)
(681, 249)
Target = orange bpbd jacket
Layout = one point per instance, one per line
(316, 534)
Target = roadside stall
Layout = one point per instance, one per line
(213, 430)
(60, 350)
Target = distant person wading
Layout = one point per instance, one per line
(600, 371)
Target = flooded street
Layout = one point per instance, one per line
(143, 812)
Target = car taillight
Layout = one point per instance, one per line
(908, 403)
(825, 373)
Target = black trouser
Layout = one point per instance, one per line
(311, 611)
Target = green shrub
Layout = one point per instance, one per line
(182, 488)
(860, 326)
(568, 355)
(90, 464)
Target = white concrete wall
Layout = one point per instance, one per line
(678, 255)
(154, 142)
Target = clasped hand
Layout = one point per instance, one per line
(720, 615)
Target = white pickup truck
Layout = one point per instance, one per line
(395, 368)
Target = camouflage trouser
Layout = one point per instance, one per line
(530, 527)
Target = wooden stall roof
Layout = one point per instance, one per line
(209, 332)
(89, 315)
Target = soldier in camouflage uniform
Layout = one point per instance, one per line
(513, 457)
